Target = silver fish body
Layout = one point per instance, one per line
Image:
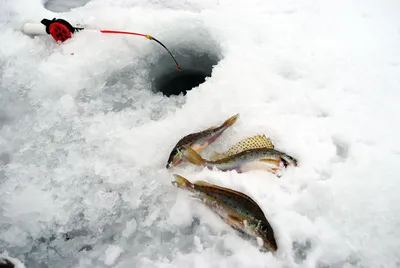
(251, 159)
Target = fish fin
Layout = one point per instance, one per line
(275, 171)
(275, 166)
(230, 121)
(211, 199)
(254, 142)
(192, 156)
(181, 182)
(234, 222)
(234, 218)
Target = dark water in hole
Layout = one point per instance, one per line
(177, 83)
(6, 264)
(195, 68)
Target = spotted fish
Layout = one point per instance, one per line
(254, 153)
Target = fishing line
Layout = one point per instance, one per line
(144, 35)
(61, 30)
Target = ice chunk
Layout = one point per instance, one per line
(112, 253)
(130, 228)
(197, 243)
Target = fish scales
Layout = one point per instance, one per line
(253, 142)
(248, 154)
(245, 204)
(237, 209)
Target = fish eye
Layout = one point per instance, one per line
(263, 228)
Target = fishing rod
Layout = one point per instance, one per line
(61, 30)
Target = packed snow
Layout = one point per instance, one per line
(84, 140)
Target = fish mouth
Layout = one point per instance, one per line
(288, 160)
(285, 162)
(269, 245)
(269, 242)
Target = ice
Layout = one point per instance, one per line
(84, 140)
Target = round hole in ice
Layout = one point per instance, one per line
(195, 68)
(4, 263)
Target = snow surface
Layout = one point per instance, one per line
(84, 141)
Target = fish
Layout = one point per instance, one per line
(246, 157)
(235, 208)
(198, 141)
(258, 141)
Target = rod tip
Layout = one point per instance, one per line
(179, 67)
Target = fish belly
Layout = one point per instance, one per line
(228, 214)
(214, 205)
(259, 165)
(224, 212)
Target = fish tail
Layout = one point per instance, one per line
(193, 157)
(181, 182)
(230, 121)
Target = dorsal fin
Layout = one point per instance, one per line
(254, 142)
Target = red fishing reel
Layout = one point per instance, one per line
(61, 30)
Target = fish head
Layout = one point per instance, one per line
(175, 158)
(264, 231)
(288, 160)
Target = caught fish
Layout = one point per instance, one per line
(258, 141)
(199, 141)
(237, 209)
(245, 156)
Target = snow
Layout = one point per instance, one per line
(130, 228)
(84, 141)
(112, 253)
